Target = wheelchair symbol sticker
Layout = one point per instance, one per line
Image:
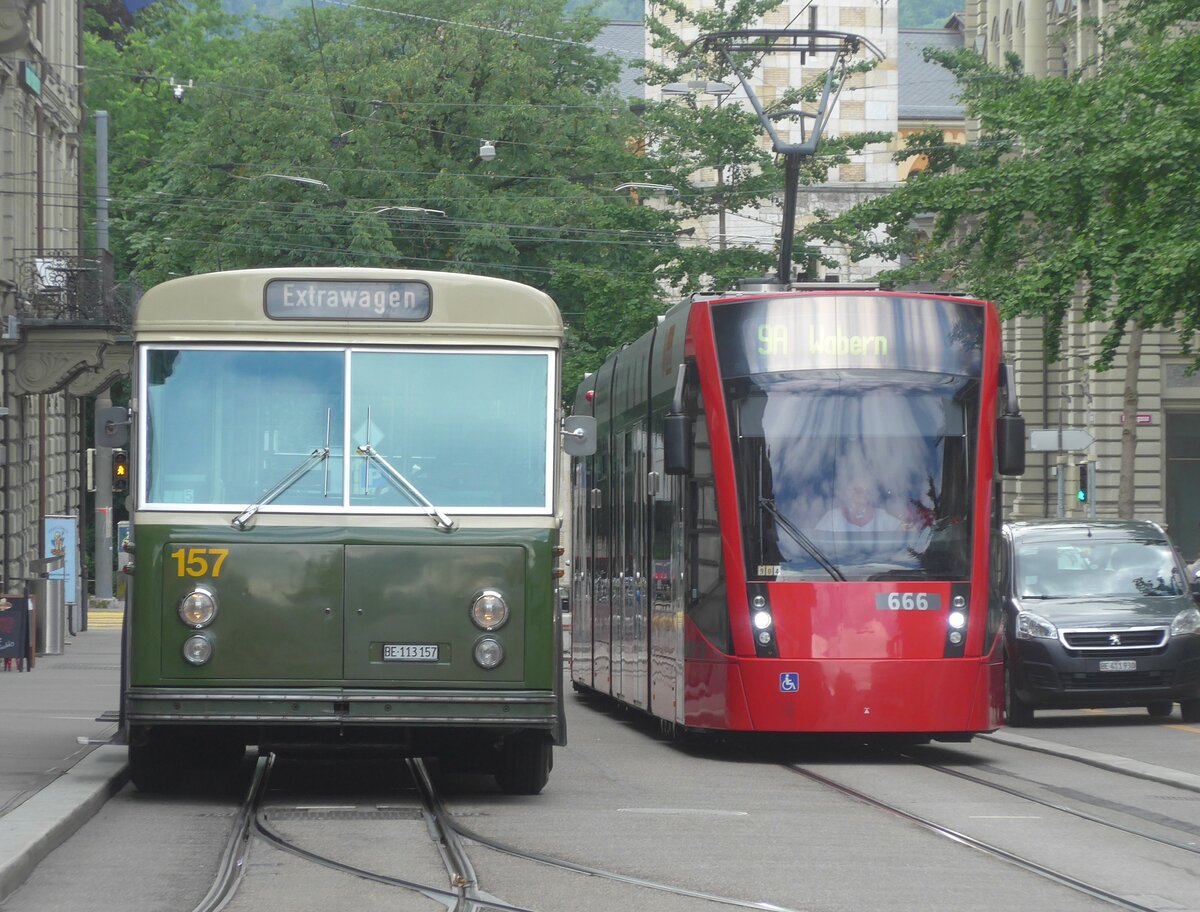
(789, 682)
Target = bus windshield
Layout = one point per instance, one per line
(855, 475)
(281, 428)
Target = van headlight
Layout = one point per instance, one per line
(1031, 626)
(1187, 621)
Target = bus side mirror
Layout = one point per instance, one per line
(579, 435)
(1010, 444)
(677, 445)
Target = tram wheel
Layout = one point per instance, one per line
(1160, 709)
(1017, 713)
(523, 767)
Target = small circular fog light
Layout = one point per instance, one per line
(764, 637)
(759, 601)
(488, 653)
(959, 601)
(197, 649)
(955, 637)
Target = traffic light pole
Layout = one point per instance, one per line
(104, 510)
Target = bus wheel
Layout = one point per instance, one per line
(523, 767)
(153, 763)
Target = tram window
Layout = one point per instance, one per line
(898, 440)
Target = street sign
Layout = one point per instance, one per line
(1064, 440)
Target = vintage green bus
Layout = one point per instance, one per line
(345, 521)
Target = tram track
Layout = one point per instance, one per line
(463, 892)
(1049, 872)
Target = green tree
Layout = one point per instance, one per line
(383, 111)
(1076, 197)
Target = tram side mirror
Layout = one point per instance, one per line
(112, 426)
(677, 445)
(579, 435)
(1010, 444)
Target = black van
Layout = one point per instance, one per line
(1097, 613)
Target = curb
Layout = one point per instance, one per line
(42, 823)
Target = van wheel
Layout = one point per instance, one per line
(1160, 709)
(1017, 713)
(523, 767)
(1190, 710)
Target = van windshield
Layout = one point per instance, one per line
(1098, 568)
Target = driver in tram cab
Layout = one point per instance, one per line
(858, 507)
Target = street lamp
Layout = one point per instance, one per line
(487, 150)
(417, 210)
(720, 91)
(294, 178)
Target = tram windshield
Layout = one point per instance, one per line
(227, 428)
(854, 422)
(854, 476)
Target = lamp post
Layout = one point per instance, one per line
(720, 91)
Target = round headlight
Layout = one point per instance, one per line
(198, 608)
(762, 620)
(197, 649)
(1187, 621)
(957, 620)
(489, 610)
(488, 653)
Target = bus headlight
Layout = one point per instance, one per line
(489, 610)
(198, 608)
(197, 649)
(488, 652)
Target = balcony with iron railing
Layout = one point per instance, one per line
(69, 325)
(62, 287)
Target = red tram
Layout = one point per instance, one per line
(786, 526)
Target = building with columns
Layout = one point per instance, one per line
(1054, 38)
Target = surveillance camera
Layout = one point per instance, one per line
(178, 90)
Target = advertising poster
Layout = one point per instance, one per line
(62, 540)
(14, 630)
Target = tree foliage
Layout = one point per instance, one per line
(1077, 188)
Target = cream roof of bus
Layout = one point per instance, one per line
(220, 304)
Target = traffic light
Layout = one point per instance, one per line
(1084, 483)
(120, 471)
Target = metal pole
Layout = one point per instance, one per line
(103, 505)
(791, 178)
(102, 180)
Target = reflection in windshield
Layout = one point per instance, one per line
(1097, 568)
(872, 468)
(469, 429)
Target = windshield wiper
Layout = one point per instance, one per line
(801, 539)
(410, 490)
(320, 454)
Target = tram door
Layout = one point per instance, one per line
(605, 575)
(630, 611)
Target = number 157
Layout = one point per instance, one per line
(195, 561)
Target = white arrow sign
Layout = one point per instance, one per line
(1066, 440)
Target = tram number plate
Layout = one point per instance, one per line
(908, 601)
(410, 652)
(1118, 665)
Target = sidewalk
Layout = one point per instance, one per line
(50, 783)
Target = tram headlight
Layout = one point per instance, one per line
(197, 649)
(489, 611)
(488, 652)
(957, 620)
(198, 608)
(762, 620)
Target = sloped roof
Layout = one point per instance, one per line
(927, 91)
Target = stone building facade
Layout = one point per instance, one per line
(1055, 37)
